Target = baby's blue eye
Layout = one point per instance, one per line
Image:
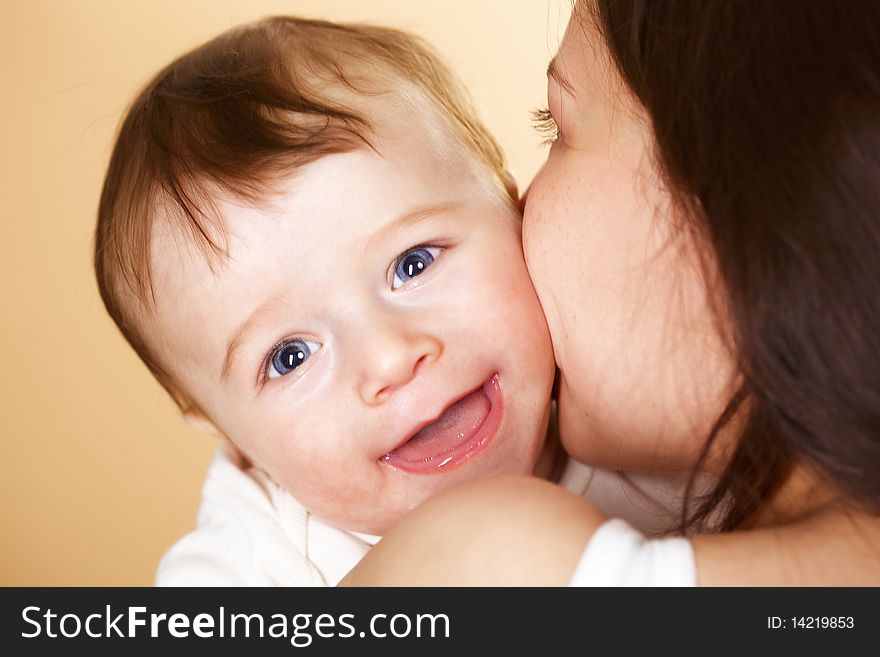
(412, 263)
(290, 355)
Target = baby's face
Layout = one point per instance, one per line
(374, 336)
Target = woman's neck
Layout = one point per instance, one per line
(803, 493)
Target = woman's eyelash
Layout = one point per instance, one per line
(544, 123)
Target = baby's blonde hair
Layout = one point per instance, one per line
(235, 115)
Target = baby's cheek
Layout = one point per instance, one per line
(510, 289)
(289, 450)
(524, 319)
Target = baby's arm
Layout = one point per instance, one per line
(505, 531)
(522, 531)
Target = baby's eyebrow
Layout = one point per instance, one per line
(241, 333)
(412, 216)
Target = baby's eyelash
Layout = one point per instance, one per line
(263, 377)
(267, 360)
(545, 125)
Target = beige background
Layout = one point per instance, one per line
(101, 474)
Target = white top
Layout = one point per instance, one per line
(618, 555)
(251, 532)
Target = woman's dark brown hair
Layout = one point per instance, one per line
(767, 124)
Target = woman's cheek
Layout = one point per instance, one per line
(538, 224)
(549, 252)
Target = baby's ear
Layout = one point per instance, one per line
(196, 418)
(510, 185)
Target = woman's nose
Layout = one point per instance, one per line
(392, 355)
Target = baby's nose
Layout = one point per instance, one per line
(393, 360)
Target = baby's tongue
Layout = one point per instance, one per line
(457, 425)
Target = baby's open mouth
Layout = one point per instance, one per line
(462, 429)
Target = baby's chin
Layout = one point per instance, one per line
(516, 454)
(367, 521)
(381, 515)
(377, 526)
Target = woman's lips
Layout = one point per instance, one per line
(463, 429)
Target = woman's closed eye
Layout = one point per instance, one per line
(289, 355)
(545, 125)
(413, 263)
